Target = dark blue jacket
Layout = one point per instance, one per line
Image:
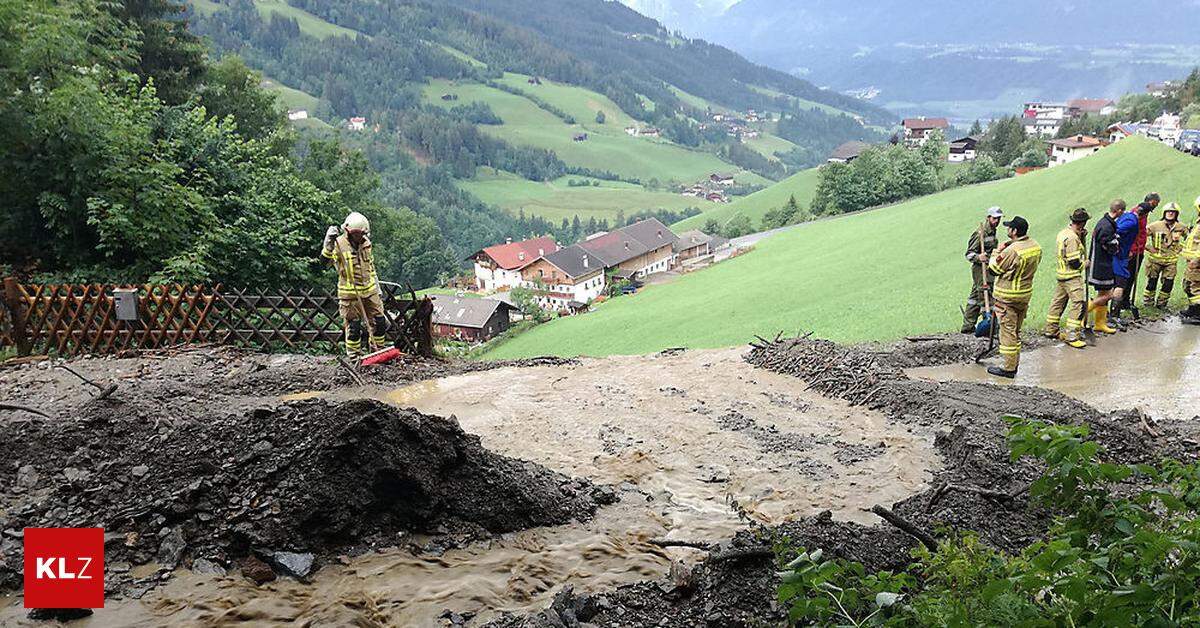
(1127, 232)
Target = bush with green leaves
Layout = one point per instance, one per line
(1111, 558)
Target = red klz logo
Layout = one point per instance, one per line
(64, 568)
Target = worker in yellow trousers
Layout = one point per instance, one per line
(1014, 264)
(1191, 273)
(359, 302)
(1068, 307)
(1164, 243)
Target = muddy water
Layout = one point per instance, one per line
(696, 442)
(1156, 368)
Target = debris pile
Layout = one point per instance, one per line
(287, 485)
(979, 488)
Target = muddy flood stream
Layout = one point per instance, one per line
(695, 443)
(1156, 368)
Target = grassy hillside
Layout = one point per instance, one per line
(309, 23)
(803, 185)
(608, 146)
(874, 276)
(555, 200)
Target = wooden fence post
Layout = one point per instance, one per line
(12, 300)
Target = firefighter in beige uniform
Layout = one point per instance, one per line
(1191, 273)
(358, 285)
(1068, 306)
(1014, 265)
(1164, 243)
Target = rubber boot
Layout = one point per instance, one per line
(1000, 372)
(1191, 316)
(1072, 340)
(1101, 325)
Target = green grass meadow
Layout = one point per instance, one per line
(309, 23)
(803, 185)
(608, 146)
(555, 200)
(878, 275)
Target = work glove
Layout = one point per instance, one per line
(331, 234)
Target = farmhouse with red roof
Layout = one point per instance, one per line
(498, 267)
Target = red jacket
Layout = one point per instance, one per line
(1139, 243)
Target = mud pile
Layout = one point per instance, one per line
(298, 482)
(978, 489)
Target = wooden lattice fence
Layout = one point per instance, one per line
(75, 319)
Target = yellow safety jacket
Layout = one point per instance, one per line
(1014, 268)
(1191, 249)
(1164, 242)
(1071, 253)
(356, 268)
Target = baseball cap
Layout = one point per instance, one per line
(995, 212)
(1019, 224)
(1080, 215)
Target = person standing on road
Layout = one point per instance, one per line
(359, 302)
(1128, 227)
(1137, 252)
(1164, 242)
(1014, 266)
(1069, 301)
(980, 246)
(1101, 274)
(1191, 273)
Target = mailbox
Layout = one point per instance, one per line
(125, 302)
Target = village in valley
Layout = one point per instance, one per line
(567, 280)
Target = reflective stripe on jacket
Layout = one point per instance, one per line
(1164, 242)
(1014, 269)
(1191, 249)
(356, 268)
(1070, 254)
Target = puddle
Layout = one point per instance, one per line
(1156, 368)
(695, 441)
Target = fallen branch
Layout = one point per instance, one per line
(1145, 420)
(1004, 496)
(18, 408)
(354, 374)
(700, 545)
(905, 526)
(105, 391)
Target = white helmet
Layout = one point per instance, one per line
(356, 222)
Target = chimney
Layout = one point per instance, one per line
(585, 261)
(626, 245)
(541, 252)
(660, 234)
(521, 256)
(508, 240)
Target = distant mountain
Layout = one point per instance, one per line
(967, 58)
(689, 16)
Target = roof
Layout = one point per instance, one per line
(1079, 141)
(515, 255)
(1090, 105)
(849, 150)
(614, 247)
(1042, 122)
(651, 233)
(570, 260)
(923, 124)
(692, 239)
(464, 311)
(1128, 128)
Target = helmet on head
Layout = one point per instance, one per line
(1171, 207)
(356, 222)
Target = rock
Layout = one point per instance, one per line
(604, 495)
(139, 470)
(205, 566)
(27, 476)
(257, 571)
(59, 614)
(293, 564)
(170, 547)
(74, 475)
